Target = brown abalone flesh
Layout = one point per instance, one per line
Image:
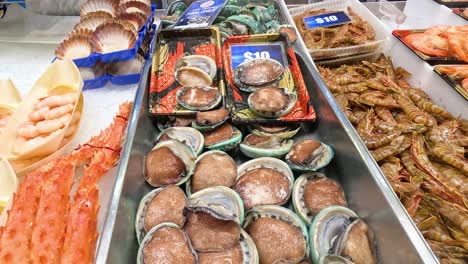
(279, 234)
(213, 168)
(264, 181)
(169, 162)
(313, 192)
(166, 243)
(256, 73)
(159, 206)
(271, 101)
(198, 98)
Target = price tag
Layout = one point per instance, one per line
(241, 53)
(327, 20)
(200, 14)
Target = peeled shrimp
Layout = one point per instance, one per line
(56, 100)
(428, 44)
(28, 130)
(49, 126)
(38, 115)
(57, 112)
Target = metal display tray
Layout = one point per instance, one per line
(368, 192)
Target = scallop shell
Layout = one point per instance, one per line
(103, 14)
(112, 37)
(74, 47)
(108, 6)
(92, 22)
(136, 19)
(127, 25)
(62, 76)
(148, 2)
(132, 66)
(85, 32)
(135, 7)
(8, 182)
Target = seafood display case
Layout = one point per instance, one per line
(367, 191)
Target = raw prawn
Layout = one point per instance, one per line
(458, 46)
(374, 98)
(433, 45)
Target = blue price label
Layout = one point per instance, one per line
(200, 14)
(327, 20)
(241, 53)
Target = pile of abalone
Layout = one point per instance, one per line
(203, 185)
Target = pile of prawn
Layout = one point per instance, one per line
(355, 33)
(441, 41)
(419, 146)
(43, 224)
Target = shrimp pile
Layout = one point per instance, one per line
(458, 72)
(355, 33)
(43, 224)
(419, 146)
(441, 41)
(49, 117)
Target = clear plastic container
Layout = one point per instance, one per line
(364, 13)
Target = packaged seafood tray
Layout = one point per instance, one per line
(360, 10)
(452, 3)
(351, 167)
(239, 17)
(432, 60)
(462, 12)
(121, 55)
(187, 58)
(260, 69)
(453, 75)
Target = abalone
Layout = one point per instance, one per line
(198, 98)
(271, 101)
(309, 155)
(256, 73)
(213, 168)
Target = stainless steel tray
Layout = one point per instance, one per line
(367, 191)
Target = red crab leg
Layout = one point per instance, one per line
(49, 228)
(16, 236)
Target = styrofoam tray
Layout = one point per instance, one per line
(364, 13)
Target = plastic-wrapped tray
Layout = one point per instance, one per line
(452, 3)
(461, 12)
(173, 44)
(120, 55)
(454, 82)
(359, 9)
(401, 34)
(351, 59)
(291, 79)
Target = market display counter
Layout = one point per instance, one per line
(368, 192)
